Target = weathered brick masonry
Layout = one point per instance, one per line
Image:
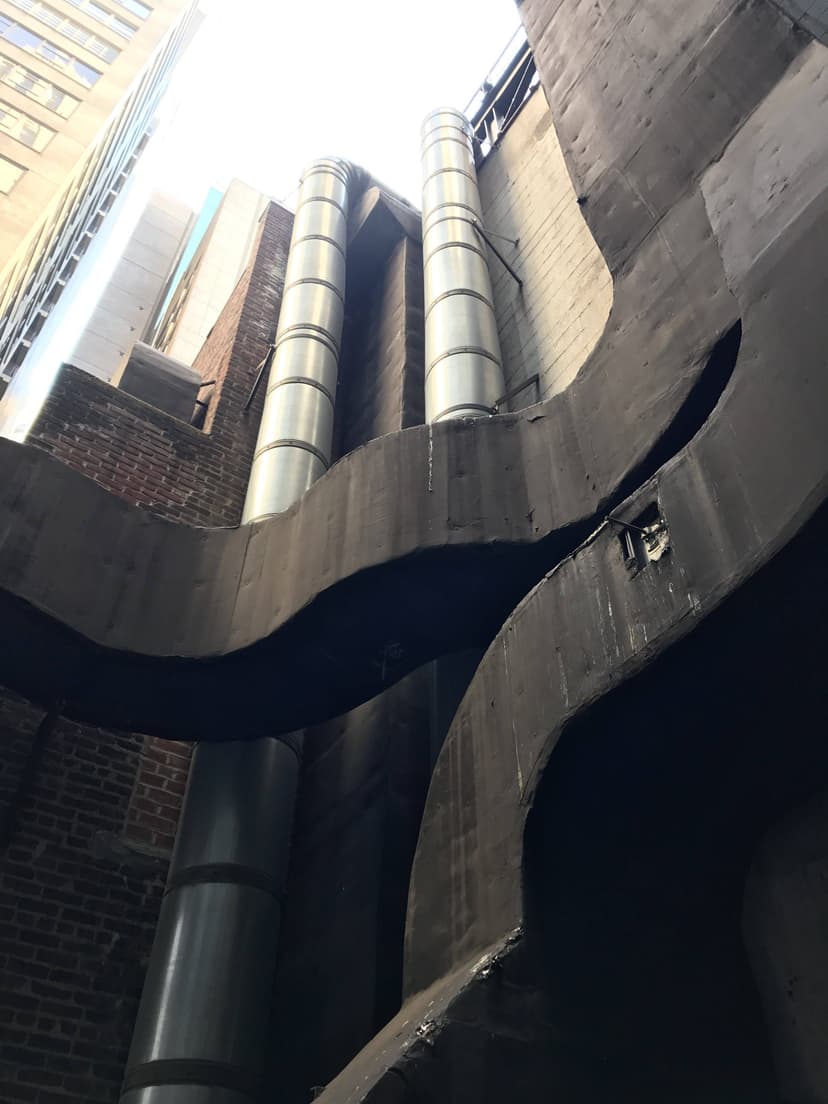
(88, 816)
(154, 460)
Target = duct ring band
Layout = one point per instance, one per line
(466, 144)
(318, 282)
(441, 207)
(308, 332)
(292, 442)
(319, 237)
(464, 406)
(225, 873)
(305, 381)
(475, 350)
(455, 245)
(448, 169)
(192, 1071)
(320, 199)
(460, 291)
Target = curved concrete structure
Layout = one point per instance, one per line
(708, 201)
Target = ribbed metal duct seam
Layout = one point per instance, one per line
(295, 436)
(464, 373)
(200, 1035)
(201, 1030)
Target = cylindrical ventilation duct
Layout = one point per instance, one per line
(294, 444)
(200, 1034)
(464, 374)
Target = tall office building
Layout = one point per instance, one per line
(136, 288)
(79, 83)
(205, 283)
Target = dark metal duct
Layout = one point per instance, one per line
(200, 1035)
(464, 374)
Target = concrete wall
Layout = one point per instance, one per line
(552, 325)
(128, 300)
(219, 262)
(786, 910)
(381, 386)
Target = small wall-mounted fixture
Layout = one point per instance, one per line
(644, 540)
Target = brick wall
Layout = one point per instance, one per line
(154, 460)
(550, 326)
(88, 816)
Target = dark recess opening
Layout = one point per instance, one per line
(641, 838)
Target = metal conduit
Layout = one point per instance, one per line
(294, 444)
(201, 1032)
(464, 374)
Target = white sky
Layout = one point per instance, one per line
(269, 85)
(266, 87)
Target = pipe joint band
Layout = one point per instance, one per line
(192, 1071)
(464, 406)
(292, 442)
(225, 873)
(458, 350)
(317, 282)
(305, 381)
(459, 291)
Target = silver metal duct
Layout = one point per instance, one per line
(464, 374)
(294, 444)
(200, 1034)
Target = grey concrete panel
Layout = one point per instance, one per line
(159, 380)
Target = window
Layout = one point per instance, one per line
(36, 88)
(42, 48)
(68, 27)
(10, 173)
(135, 6)
(107, 18)
(23, 128)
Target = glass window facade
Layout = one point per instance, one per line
(42, 48)
(135, 7)
(66, 26)
(23, 128)
(36, 88)
(107, 18)
(10, 173)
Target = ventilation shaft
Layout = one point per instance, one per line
(201, 1031)
(464, 373)
(294, 444)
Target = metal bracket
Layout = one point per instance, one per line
(263, 367)
(484, 235)
(510, 394)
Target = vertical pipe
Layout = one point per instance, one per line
(200, 1035)
(464, 374)
(294, 444)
